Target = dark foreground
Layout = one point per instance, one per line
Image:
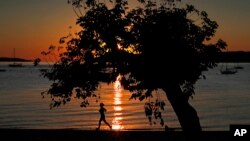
(83, 135)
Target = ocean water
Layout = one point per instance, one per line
(220, 100)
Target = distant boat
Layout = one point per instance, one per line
(228, 70)
(14, 64)
(43, 70)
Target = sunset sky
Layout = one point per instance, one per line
(30, 26)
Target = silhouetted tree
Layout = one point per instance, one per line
(154, 46)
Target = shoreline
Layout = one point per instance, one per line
(229, 57)
(105, 135)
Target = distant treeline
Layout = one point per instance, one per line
(234, 56)
(7, 59)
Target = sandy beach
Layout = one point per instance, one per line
(88, 135)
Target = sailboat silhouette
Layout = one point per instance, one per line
(14, 64)
(228, 70)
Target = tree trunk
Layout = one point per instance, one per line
(186, 114)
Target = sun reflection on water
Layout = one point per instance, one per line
(117, 121)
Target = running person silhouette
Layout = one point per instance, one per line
(102, 111)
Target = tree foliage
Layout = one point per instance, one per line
(150, 47)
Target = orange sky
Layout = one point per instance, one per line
(30, 26)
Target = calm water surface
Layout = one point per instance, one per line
(220, 100)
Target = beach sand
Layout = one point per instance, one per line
(88, 135)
